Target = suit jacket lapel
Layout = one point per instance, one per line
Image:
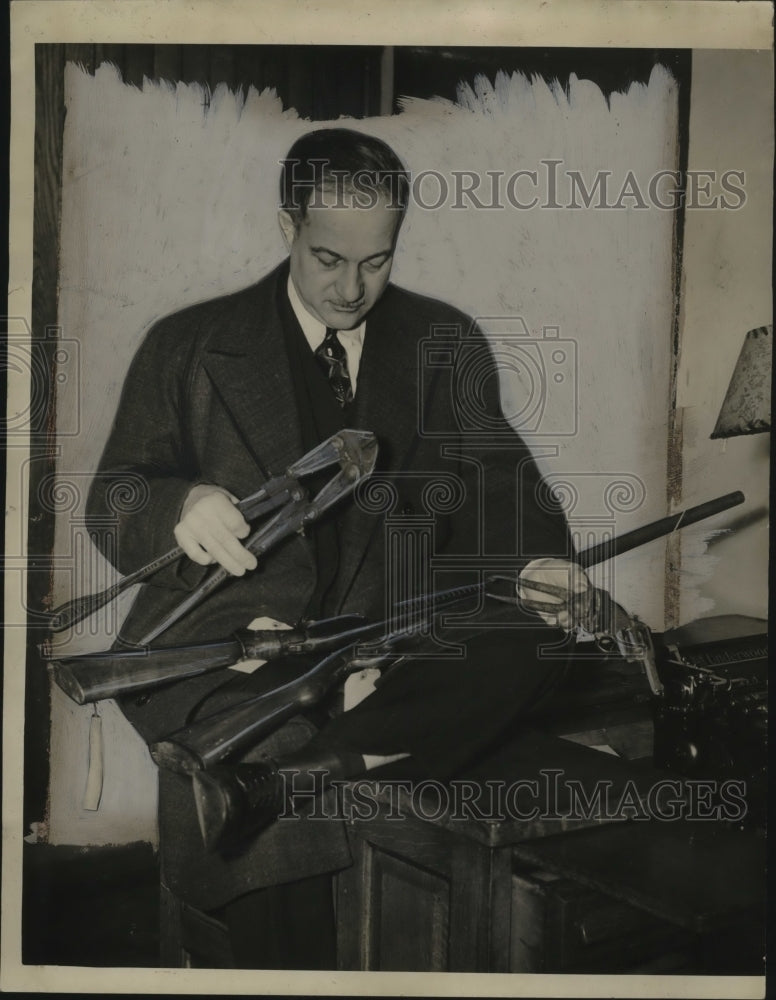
(249, 367)
(388, 384)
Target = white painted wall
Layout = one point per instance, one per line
(727, 291)
(165, 204)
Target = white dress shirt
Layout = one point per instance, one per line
(315, 333)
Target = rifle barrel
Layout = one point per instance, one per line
(657, 529)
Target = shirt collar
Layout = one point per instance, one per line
(313, 329)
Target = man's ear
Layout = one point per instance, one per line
(287, 227)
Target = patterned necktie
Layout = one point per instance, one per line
(333, 360)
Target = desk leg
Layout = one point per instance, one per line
(172, 954)
(419, 898)
(393, 908)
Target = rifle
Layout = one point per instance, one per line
(210, 740)
(93, 676)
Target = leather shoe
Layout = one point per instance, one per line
(236, 801)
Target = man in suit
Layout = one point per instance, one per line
(227, 394)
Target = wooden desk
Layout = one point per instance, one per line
(552, 893)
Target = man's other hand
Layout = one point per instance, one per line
(566, 610)
(211, 527)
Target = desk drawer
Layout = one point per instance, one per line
(562, 926)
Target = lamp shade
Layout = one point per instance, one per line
(747, 405)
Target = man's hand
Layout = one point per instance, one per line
(210, 528)
(563, 574)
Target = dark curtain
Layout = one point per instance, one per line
(320, 81)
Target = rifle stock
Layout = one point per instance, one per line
(209, 740)
(95, 676)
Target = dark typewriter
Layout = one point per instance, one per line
(712, 720)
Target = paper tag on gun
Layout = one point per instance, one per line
(248, 666)
(358, 686)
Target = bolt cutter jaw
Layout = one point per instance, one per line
(348, 447)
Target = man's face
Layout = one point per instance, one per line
(341, 258)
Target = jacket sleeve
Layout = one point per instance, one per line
(148, 465)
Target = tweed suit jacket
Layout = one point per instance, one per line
(209, 398)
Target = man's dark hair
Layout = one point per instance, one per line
(357, 167)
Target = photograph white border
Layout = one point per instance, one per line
(694, 24)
